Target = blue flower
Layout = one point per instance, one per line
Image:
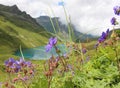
(117, 10)
(84, 50)
(61, 3)
(113, 21)
(52, 42)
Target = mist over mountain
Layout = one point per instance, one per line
(48, 23)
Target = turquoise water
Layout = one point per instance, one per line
(39, 53)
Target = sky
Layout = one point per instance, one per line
(88, 16)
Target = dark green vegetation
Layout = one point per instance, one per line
(18, 28)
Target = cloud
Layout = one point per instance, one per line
(89, 16)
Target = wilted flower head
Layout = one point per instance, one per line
(1, 84)
(25, 78)
(69, 67)
(87, 58)
(96, 45)
(66, 56)
(52, 42)
(103, 36)
(117, 10)
(57, 59)
(113, 21)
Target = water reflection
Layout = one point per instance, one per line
(39, 53)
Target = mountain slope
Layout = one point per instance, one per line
(18, 28)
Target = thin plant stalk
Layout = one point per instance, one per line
(49, 81)
(118, 62)
(52, 25)
(62, 60)
(9, 75)
(68, 25)
(21, 53)
(55, 19)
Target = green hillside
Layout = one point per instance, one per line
(18, 28)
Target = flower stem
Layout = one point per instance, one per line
(118, 62)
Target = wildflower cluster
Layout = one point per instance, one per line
(24, 71)
(15, 66)
(77, 47)
(112, 41)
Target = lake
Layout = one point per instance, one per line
(39, 53)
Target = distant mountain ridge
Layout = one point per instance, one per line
(19, 18)
(19, 28)
(45, 21)
(15, 10)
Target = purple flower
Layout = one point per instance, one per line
(103, 36)
(16, 67)
(84, 50)
(52, 42)
(48, 47)
(101, 39)
(21, 62)
(113, 21)
(13, 64)
(9, 62)
(28, 64)
(107, 32)
(117, 10)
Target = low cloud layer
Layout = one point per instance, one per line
(88, 16)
